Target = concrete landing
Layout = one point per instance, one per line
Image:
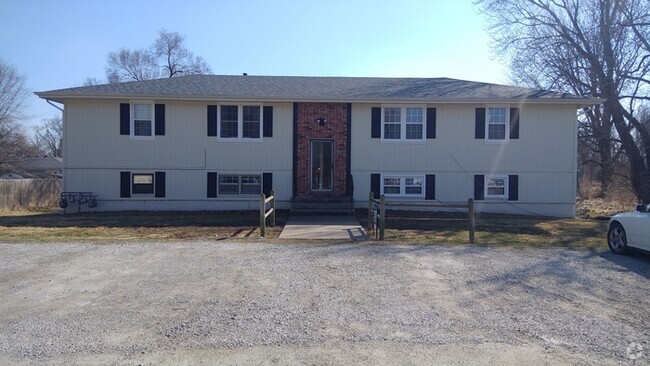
(323, 227)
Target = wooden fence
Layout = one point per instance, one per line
(17, 194)
(377, 212)
(264, 213)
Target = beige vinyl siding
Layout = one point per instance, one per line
(94, 140)
(544, 157)
(96, 153)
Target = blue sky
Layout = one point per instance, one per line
(58, 44)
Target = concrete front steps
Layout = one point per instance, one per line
(322, 205)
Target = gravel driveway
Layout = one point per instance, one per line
(233, 303)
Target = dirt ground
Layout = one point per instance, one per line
(205, 303)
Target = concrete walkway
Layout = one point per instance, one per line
(323, 227)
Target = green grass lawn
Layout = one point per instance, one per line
(402, 226)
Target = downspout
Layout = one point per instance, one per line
(54, 105)
(65, 136)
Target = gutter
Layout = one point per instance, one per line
(580, 102)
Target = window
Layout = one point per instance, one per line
(251, 184)
(142, 120)
(496, 186)
(229, 121)
(414, 123)
(251, 122)
(404, 186)
(403, 123)
(240, 184)
(240, 121)
(228, 184)
(392, 123)
(142, 183)
(497, 122)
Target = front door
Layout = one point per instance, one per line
(321, 165)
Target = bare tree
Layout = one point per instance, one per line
(587, 47)
(125, 65)
(48, 137)
(167, 57)
(176, 59)
(13, 142)
(90, 81)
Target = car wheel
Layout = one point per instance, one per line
(616, 238)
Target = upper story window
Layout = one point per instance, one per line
(403, 186)
(497, 123)
(403, 123)
(496, 186)
(142, 120)
(240, 122)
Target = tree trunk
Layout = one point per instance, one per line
(639, 172)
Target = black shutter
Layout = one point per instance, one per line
(267, 183)
(159, 181)
(375, 128)
(160, 119)
(430, 193)
(125, 184)
(268, 121)
(479, 191)
(479, 127)
(212, 120)
(513, 188)
(431, 123)
(125, 119)
(375, 180)
(514, 123)
(212, 184)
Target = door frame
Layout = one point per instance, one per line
(311, 151)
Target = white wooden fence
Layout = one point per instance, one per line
(16, 194)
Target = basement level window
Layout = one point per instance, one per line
(496, 186)
(403, 186)
(142, 183)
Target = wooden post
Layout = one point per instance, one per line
(262, 215)
(382, 216)
(370, 207)
(470, 213)
(273, 208)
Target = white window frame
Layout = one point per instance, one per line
(403, 123)
(487, 195)
(239, 184)
(506, 137)
(153, 120)
(402, 185)
(240, 122)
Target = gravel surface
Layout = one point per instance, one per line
(233, 303)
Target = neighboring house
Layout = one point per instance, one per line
(210, 142)
(41, 166)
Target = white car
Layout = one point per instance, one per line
(630, 230)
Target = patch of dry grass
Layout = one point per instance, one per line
(45, 225)
(504, 230)
(49, 225)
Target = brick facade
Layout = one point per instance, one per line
(307, 129)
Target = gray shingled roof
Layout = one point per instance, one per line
(299, 88)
